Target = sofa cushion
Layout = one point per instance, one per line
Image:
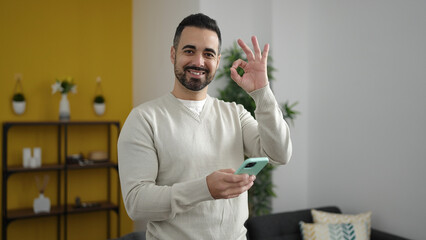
(326, 217)
(341, 231)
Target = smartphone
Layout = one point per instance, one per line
(252, 166)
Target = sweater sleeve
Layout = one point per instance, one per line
(138, 169)
(269, 134)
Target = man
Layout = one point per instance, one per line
(177, 154)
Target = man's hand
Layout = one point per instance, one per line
(225, 184)
(255, 69)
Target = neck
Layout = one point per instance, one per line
(179, 91)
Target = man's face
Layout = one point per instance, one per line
(196, 58)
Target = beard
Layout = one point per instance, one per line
(194, 84)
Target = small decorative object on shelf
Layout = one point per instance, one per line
(29, 160)
(80, 204)
(42, 203)
(74, 158)
(26, 157)
(64, 86)
(18, 99)
(37, 157)
(98, 156)
(99, 101)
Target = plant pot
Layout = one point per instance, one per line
(19, 107)
(99, 108)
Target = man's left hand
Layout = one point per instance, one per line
(255, 69)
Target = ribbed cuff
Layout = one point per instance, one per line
(264, 99)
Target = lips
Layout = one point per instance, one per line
(196, 71)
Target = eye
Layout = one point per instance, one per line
(209, 55)
(188, 51)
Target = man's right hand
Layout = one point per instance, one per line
(224, 184)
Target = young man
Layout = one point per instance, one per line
(177, 154)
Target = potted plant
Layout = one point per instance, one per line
(99, 100)
(261, 194)
(99, 105)
(18, 103)
(64, 86)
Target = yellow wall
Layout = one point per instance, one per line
(48, 39)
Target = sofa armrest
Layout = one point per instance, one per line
(379, 235)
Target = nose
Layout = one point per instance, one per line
(198, 60)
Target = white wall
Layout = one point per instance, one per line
(367, 110)
(289, 31)
(154, 25)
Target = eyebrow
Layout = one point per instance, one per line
(193, 47)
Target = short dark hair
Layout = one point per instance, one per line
(197, 20)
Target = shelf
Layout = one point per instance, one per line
(44, 123)
(29, 213)
(63, 208)
(45, 167)
(94, 165)
(25, 213)
(103, 206)
(55, 167)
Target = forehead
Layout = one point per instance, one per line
(199, 37)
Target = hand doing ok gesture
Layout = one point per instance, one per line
(255, 69)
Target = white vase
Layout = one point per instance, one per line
(99, 108)
(41, 204)
(19, 107)
(64, 108)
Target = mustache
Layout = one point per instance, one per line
(196, 68)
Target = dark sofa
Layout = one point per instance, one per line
(285, 226)
(281, 226)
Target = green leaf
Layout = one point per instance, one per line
(18, 97)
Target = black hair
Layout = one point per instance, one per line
(197, 20)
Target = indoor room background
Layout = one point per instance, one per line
(357, 69)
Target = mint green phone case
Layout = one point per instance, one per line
(252, 166)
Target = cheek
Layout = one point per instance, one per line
(212, 65)
(182, 61)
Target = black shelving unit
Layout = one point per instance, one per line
(61, 167)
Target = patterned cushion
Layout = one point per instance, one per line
(334, 218)
(341, 231)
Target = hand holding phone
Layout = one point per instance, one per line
(252, 166)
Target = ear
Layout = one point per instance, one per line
(172, 55)
(218, 61)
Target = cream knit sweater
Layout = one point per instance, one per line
(165, 152)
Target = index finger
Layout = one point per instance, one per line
(228, 170)
(232, 178)
(246, 49)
